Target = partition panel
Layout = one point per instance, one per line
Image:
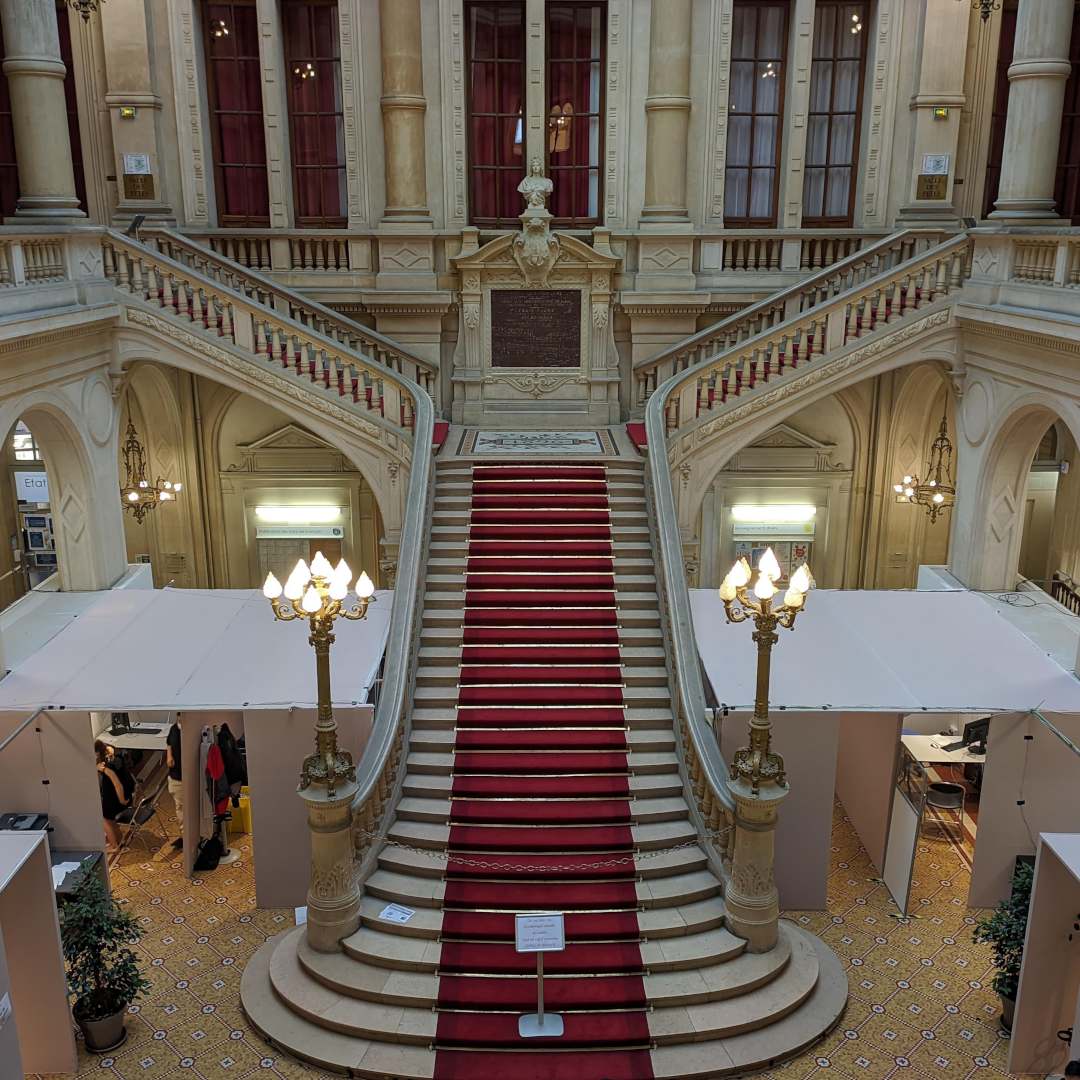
(865, 766)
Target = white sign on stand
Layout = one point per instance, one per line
(540, 932)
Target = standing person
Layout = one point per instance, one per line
(176, 788)
(113, 796)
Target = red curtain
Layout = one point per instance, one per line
(575, 94)
(496, 60)
(316, 119)
(234, 82)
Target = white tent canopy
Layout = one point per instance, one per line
(187, 649)
(863, 651)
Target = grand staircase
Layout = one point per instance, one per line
(542, 774)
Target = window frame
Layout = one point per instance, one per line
(575, 221)
(229, 221)
(322, 221)
(747, 222)
(825, 221)
(499, 221)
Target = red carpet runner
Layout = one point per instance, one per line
(540, 781)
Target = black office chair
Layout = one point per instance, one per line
(945, 796)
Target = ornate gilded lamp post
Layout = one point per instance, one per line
(328, 777)
(757, 781)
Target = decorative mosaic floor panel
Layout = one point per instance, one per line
(529, 443)
(920, 1001)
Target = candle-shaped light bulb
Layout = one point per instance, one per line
(312, 601)
(727, 589)
(740, 574)
(320, 566)
(343, 571)
(294, 584)
(768, 565)
(339, 587)
(764, 589)
(801, 579)
(271, 587)
(365, 587)
(793, 598)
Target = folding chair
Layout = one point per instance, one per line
(136, 817)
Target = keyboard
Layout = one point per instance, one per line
(950, 747)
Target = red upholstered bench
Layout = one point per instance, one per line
(438, 435)
(636, 432)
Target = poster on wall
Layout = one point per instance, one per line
(790, 554)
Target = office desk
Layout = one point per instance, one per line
(70, 885)
(156, 741)
(922, 748)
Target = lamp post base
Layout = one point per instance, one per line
(333, 899)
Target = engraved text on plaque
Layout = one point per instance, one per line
(536, 328)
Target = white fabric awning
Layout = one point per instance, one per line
(859, 651)
(192, 649)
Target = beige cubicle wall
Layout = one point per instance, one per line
(808, 743)
(1040, 772)
(49, 768)
(1048, 998)
(865, 768)
(34, 959)
(10, 1058)
(277, 741)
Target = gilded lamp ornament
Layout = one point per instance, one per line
(319, 594)
(757, 763)
(937, 492)
(137, 493)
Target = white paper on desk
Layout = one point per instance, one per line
(61, 871)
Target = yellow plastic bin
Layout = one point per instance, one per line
(241, 815)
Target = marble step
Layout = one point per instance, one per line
(627, 617)
(436, 835)
(458, 518)
(629, 656)
(446, 696)
(276, 1022)
(640, 740)
(624, 675)
(447, 598)
(779, 1041)
(645, 762)
(457, 548)
(632, 583)
(749, 1011)
(648, 786)
(630, 637)
(623, 565)
(642, 811)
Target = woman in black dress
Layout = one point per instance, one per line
(113, 796)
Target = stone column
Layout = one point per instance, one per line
(35, 75)
(403, 108)
(667, 111)
(333, 899)
(751, 897)
(1037, 79)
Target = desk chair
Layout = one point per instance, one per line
(137, 816)
(945, 796)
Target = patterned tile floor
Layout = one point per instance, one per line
(920, 1004)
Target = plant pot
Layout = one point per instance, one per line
(1008, 1009)
(105, 1034)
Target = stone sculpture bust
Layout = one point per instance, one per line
(536, 187)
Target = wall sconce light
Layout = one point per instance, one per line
(941, 112)
(127, 112)
(298, 515)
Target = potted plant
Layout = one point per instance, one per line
(103, 973)
(1003, 930)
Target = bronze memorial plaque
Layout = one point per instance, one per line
(536, 328)
(138, 186)
(930, 186)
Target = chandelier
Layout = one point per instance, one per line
(937, 492)
(137, 493)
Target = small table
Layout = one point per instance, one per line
(91, 862)
(158, 740)
(927, 749)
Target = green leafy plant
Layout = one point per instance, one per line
(1004, 931)
(103, 973)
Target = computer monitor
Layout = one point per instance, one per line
(976, 733)
(121, 724)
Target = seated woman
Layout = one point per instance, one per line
(113, 796)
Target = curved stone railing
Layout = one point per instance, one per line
(325, 373)
(707, 344)
(265, 290)
(687, 399)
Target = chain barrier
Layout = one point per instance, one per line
(442, 855)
